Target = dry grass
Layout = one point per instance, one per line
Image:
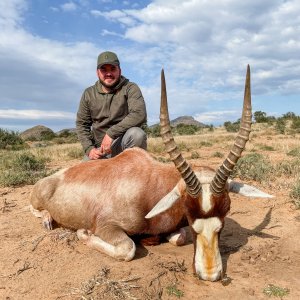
(101, 286)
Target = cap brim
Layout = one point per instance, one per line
(108, 63)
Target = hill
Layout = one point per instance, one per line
(187, 120)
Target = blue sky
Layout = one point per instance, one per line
(48, 53)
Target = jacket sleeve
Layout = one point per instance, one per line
(137, 114)
(84, 123)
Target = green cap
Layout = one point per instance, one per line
(107, 58)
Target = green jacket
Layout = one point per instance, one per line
(112, 113)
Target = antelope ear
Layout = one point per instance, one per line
(246, 190)
(165, 203)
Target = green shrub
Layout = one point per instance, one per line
(218, 154)
(296, 124)
(153, 131)
(11, 140)
(211, 128)
(172, 290)
(47, 136)
(253, 166)
(195, 155)
(205, 144)
(232, 127)
(25, 168)
(294, 152)
(65, 137)
(276, 291)
(184, 129)
(260, 117)
(295, 194)
(266, 148)
(288, 168)
(280, 125)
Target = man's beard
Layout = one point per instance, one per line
(110, 86)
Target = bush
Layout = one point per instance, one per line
(66, 137)
(260, 117)
(232, 127)
(296, 124)
(294, 152)
(47, 136)
(25, 168)
(266, 147)
(288, 168)
(295, 194)
(218, 154)
(184, 129)
(205, 144)
(280, 125)
(10, 140)
(195, 155)
(253, 166)
(153, 131)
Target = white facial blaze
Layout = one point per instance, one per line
(206, 195)
(208, 262)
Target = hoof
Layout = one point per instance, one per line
(47, 220)
(178, 238)
(83, 234)
(47, 224)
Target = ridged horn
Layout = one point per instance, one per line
(193, 185)
(218, 183)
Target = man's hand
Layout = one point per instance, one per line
(95, 153)
(105, 145)
(104, 149)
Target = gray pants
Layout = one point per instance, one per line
(133, 137)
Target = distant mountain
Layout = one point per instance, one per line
(187, 120)
(68, 130)
(37, 133)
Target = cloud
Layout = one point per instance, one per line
(204, 47)
(38, 74)
(115, 16)
(210, 39)
(217, 117)
(35, 115)
(69, 6)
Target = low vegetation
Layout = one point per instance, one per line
(253, 166)
(295, 194)
(11, 140)
(288, 123)
(276, 291)
(23, 168)
(35, 159)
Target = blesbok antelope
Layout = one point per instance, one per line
(108, 201)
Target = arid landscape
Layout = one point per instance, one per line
(259, 244)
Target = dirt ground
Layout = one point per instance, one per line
(259, 246)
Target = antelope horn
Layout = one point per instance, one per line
(192, 183)
(218, 183)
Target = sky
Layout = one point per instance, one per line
(49, 49)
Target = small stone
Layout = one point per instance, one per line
(245, 275)
(263, 259)
(251, 292)
(226, 280)
(252, 261)
(245, 256)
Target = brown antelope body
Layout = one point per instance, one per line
(107, 201)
